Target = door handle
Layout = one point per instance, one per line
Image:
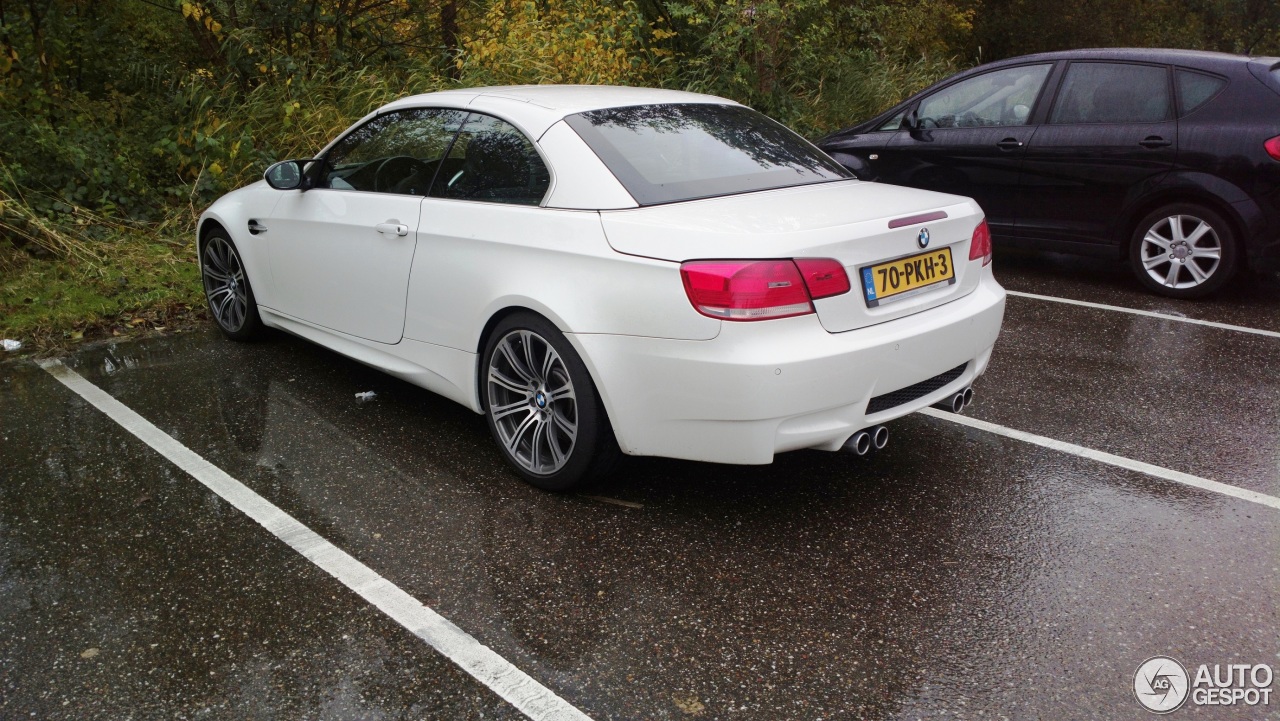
(392, 228)
(1155, 141)
(255, 227)
(1009, 144)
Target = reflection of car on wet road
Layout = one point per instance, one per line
(670, 270)
(1170, 159)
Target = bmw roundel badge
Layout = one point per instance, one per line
(923, 239)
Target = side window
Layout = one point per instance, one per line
(892, 123)
(1003, 97)
(1113, 93)
(394, 153)
(1195, 89)
(492, 161)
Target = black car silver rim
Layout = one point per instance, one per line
(1181, 251)
(224, 284)
(532, 403)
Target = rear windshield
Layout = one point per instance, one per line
(669, 153)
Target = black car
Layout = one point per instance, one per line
(1169, 158)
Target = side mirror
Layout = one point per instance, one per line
(287, 175)
(915, 127)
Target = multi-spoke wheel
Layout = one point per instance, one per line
(542, 407)
(226, 287)
(1183, 251)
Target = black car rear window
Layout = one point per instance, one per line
(669, 153)
(1196, 89)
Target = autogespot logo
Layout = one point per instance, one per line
(1160, 684)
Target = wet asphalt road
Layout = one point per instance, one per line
(957, 574)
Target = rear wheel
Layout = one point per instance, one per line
(227, 289)
(543, 410)
(1184, 250)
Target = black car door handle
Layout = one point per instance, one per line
(1009, 144)
(1155, 141)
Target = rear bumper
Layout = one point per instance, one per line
(763, 388)
(1261, 222)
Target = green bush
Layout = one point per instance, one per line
(809, 63)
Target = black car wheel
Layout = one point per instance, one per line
(1183, 250)
(227, 289)
(543, 410)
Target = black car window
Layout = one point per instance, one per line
(397, 152)
(1113, 93)
(493, 161)
(1195, 89)
(1000, 97)
(670, 153)
(893, 123)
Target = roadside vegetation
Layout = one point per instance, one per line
(120, 121)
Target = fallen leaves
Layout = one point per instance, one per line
(689, 704)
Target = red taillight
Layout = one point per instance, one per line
(1273, 147)
(824, 277)
(746, 289)
(980, 246)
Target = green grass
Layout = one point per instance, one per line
(141, 283)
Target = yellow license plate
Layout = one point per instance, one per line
(897, 279)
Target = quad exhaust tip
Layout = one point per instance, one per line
(957, 402)
(880, 437)
(867, 440)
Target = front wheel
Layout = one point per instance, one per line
(227, 289)
(1184, 250)
(542, 408)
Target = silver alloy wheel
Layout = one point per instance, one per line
(532, 402)
(224, 284)
(1181, 251)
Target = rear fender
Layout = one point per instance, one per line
(1222, 196)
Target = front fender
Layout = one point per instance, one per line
(233, 212)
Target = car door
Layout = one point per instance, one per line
(482, 219)
(1111, 128)
(969, 140)
(341, 252)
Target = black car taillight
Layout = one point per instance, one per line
(1273, 147)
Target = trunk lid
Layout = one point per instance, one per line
(847, 220)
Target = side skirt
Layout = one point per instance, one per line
(445, 371)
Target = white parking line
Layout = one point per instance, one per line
(1148, 313)
(1109, 459)
(513, 685)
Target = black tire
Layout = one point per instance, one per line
(227, 289)
(534, 363)
(1160, 238)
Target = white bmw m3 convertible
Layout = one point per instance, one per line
(605, 270)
